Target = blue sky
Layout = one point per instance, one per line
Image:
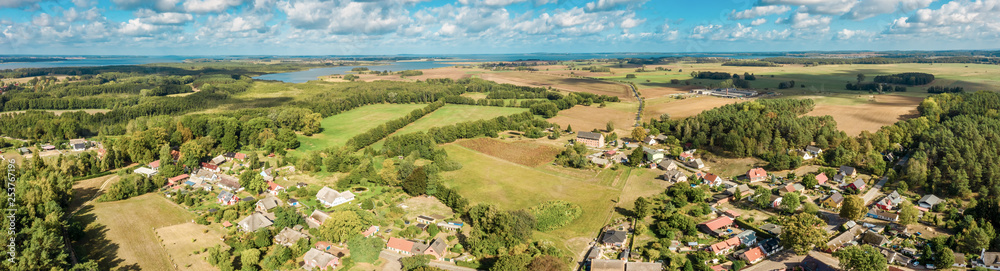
(342, 27)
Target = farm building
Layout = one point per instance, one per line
(145, 171)
(590, 139)
(178, 179)
(928, 201)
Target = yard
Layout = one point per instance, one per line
(123, 234)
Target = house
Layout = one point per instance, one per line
(226, 198)
(274, 188)
(643, 266)
(255, 222)
(713, 180)
(667, 164)
(145, 171)
(229, 156)
(848, 171)
(209, 167)
(770, 246)
(178, 179)
(267, 204)
(724, 247)
(229, 183)
(436, 248)
(155, 165)
(451, 226)
(747, 237)
(811, 263)
(653, 155)
(840, 177)
(315, 258)
(686, 155)
(844, 238)
(293, 202)
(78, 144)
(793, 187)
(590, 139)
(743, 189)
(716, 226)
(858, 184)
(731, 213)
(316, 219)
(960, 260)
(603, 163)
(614, 238)
(803, 154)
(330, 197)
(205, 175)
(772, 228)
(674, 176)
(890, 201)
(607, 265)
(24, 150)
(288, 237)
(370, 231)
(649, 140)
(874, 239)
(218, 160)
(48, 147)
(928, 201)
(821, 178)
(240, 156)
(833, 201)
(753, 255)
(990, 260)
(268, 174)
(425, 219)
(695, 163)
(815, 151)
(757, 175)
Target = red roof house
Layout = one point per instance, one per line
(757, 174)
(753, 256)
(724, 247)
(210, 167)
(400, 245)
(240, 156)
(274, 188)
(822, 178)
(154, 164)
(178, 179)
(713, 180)
(715, 225)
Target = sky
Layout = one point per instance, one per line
(389, 27)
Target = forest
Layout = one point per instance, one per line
(883, 60)
(908, 78)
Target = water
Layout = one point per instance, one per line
(313, 74)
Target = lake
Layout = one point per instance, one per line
(313, 74)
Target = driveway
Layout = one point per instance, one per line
(875, 191)
(392, 259)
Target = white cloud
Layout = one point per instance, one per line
(18, 3)
(960, 19)
(871, 8)
(804, 20)
(631, 22)
(611, 4)
(758, 22)
(828, 7)
(174, 18)
(758, 11)
(206, 6)
(448, 29)
(345, 17)
(157, 5)
(495, 3)
(846, 34)
(723, 33)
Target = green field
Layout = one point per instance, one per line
(486, 179)
(454, 113)
(337, 129)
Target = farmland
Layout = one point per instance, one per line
(869, 116)
(181, 241)
(520, 152)
(453, 113)
(586, 118)
(337, 129)
(565, 83)
(123, 233)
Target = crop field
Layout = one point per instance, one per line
(519, 152)
(123, 233)
(337, 129)
(566, 83)
(586, 118)
(682, 108)
(454, 113)
(487, 179)
(869, 116)
(182, 241)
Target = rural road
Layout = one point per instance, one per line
(875, 191)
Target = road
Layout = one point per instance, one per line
(875, 191)
(393, 264)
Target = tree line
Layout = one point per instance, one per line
(906, 78)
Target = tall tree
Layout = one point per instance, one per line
(861, 258)
(853, 208)
(908, 214)
(802, 232)
(791, 202)
(610, 126)
(638, 133)
(547, 263)
(641, 208)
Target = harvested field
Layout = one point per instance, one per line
(657, 92)
(683, 108)
(884, 110)
(519, 152)
(586, 118)
(565, 83)
(182, 240)
(122, 233)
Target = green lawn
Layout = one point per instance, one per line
(485, 179)
(337, 129)
(453, 113)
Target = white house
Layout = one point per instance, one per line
(148, 172)
(330, 197)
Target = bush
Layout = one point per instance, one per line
(554, 214)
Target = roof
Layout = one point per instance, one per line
(145, 170)
(718, 223)
(255, 222)
(666, 163)
(743, 188)
(439, 246)
(594, 252)
(318, 216)
(209, 166)
(371, 230)
(959, 258)
(613, 237)
(272, 185)
(756, 173)
(732, 213)
(319, 257)
(747, 236)
(179, 177)
(240, 156)
(836, 197)
(858, 183)
(269, 202)
(289, 236)
(589, 135)
(154, 164)
(822, 178)
(727, 244)
(399, 244)
(643, 266)
(219, 160)
(230, 182)
(711, 177)
(848, 170)
(329, 195)
(930, 199)
(788, 188)
(225, 195)
(673, 174)
(607, 265)
(813, 149)
(754, 254)
(772, 228)
(845, 237)
(77, 141)
(873, 238)
(991, 258)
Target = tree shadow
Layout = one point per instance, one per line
(93, 243)
(624, 212)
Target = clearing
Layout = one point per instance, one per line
(587, 118)
(123, 233)
(337, 129)
(454, 113)
(518, 152)
(183, 240)
(870, 115)
(566, 83)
